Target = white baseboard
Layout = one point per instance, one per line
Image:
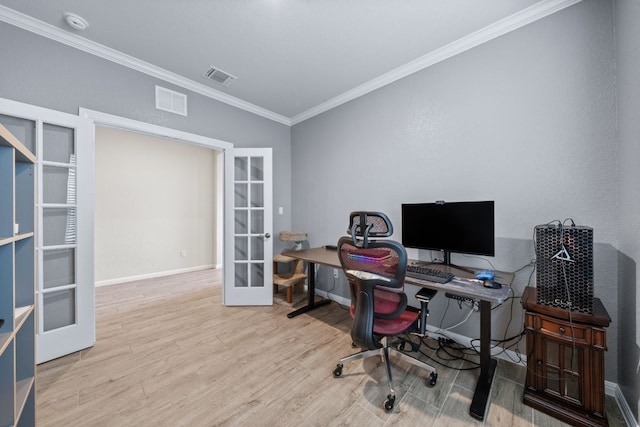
(120, 280)
(610, 388)
(333, 297)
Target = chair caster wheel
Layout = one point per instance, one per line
(338, 370)
(432, 379)
(388, 404)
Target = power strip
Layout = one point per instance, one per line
(458, 297)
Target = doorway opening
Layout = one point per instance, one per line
(158, 207)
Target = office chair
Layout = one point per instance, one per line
(375, 270)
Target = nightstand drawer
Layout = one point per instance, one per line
(565, 330)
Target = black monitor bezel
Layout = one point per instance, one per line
(483, 228)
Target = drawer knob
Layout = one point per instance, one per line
(562, 331)
(539, 362)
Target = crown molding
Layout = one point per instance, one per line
(519, 19)
(35, 26)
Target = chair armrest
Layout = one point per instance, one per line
(365, 275)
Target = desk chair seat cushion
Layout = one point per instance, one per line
(397, 325)
(387, 304)
(391, 313)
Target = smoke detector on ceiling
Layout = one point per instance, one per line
(217, 75)
(75, 21)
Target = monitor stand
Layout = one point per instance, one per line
(447, 261)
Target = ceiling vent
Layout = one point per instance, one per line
(217, 75)
(169, 100)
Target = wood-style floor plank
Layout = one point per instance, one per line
(168, 353)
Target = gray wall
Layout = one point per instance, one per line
(527, 120)
(45, 73)
(627, 16)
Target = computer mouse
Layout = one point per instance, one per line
(491, 284)
(485, 275)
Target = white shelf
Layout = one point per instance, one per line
(5, 339)
(17, 282)
(22, 153)
(20, 314)
(22, 393)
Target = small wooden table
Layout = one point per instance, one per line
(290, 279)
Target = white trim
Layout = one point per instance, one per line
(513, 22)
(110, 120)
(613, 389)
(128, 279)
(333, 297)
(519, 19)
(36, 26)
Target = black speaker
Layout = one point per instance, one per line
(564, 273)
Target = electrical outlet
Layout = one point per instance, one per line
(183, 253)
(335, 273)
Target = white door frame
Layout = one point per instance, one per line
(224, 223)
(109, 120)
(225, 168)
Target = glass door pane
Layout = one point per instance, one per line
(249, 221)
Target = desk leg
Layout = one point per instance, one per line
(311, 304)
(480, 402)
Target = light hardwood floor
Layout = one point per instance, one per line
(168, 353)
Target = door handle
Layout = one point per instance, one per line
(266, 235)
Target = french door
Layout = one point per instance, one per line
(248, 248)
(63, 147)
(65, 294)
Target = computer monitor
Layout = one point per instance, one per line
(460, 227)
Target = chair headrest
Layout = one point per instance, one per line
(363, 224)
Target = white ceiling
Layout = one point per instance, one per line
(293, 58)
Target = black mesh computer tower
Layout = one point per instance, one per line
(564, 273)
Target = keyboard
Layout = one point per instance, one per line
(428, 274)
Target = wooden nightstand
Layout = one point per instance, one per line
(565, 361)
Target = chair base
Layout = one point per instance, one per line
(384, 352)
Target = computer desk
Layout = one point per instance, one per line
(313, 256)
(461, 285)
(464, 285)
